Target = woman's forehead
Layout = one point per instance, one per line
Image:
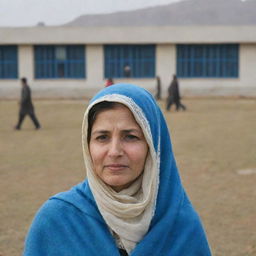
(118, 116)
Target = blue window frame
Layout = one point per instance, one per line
(137, 61)
(213, 60)
(8, 62)
(59, 61)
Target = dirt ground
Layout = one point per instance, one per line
(215, 148)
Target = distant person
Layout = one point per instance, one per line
(174, 95)
(109, 82)
(158, 88)
(26, 106)
(127, 71)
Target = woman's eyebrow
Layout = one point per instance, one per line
(130, 130)
(100, 132)
(124, 131)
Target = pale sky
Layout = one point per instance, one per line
(17, 13)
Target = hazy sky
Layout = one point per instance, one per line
(56, 12)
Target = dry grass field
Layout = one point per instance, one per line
(213, 141)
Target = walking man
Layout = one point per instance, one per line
(158, 88)
(174, 95)
(26, 106)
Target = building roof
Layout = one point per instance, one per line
(128, 35)
(184, 12)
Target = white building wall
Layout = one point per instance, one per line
(65, 88)
(244, 85)
(41, 88)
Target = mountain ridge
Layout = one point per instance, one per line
(182, 13)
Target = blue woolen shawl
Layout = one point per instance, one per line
(70, 224)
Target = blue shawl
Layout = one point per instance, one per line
(70, 224)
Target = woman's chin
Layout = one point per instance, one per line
(117, 184)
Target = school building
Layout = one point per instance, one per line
(74, 62)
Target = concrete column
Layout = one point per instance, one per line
(95, 66)
(26, 62)
(247, 70)
(165, 64)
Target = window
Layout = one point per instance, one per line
(217, 60)
(59, 61)
(136, 61)
(8, 62)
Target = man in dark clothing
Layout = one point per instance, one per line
(26, 106)
(174, 95)
(158, 88)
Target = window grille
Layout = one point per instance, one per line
(209, 61)
(136, 61)
(59, 61)
(8, 62)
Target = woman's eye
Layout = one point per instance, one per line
(131, 137)
(101, 138)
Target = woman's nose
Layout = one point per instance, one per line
(115, 148)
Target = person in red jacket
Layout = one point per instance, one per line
(109, 82)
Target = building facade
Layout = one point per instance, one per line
(74, 62)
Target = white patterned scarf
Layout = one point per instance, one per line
(128, 213)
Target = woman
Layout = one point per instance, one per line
(132, 202)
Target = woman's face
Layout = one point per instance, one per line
(118, 148)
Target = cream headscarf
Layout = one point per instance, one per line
(128, 213)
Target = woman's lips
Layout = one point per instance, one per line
(116, 167)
